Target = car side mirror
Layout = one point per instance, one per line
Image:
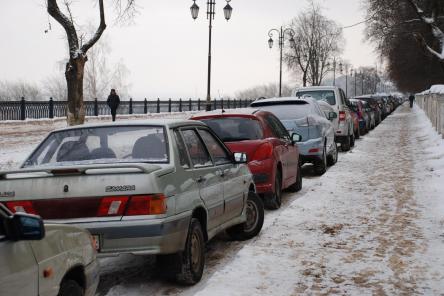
(240, 157)
(295, 138)
(332, 115)
(22, 226)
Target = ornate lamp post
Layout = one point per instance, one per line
(281, 33)
(210, 16)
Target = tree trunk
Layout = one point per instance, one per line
(74, 78)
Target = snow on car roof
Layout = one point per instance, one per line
(240, 111)
(282, 101)
(162, 122)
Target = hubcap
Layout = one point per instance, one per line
(195, 251)
(252, 216)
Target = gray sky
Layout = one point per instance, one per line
(165, 50)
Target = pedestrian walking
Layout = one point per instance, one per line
(113, 103)
(411, 99)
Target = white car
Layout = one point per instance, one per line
(45, 260)
(335, 96)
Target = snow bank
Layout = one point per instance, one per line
(435, 89)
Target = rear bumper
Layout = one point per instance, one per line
(311, 150)
(91, 278)
(263, 175)
(140, 237)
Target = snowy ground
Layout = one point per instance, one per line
(372, 225)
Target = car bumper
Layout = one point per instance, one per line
(311, 150)
(263, 175)
(91, 278)
(140, 237)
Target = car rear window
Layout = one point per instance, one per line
(232, 129)
(319, 95)
(102, 145)
(292, 111)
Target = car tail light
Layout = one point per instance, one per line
(342, 115)
(263, 152)
(313, 150)
(112, 206)
(21, 206)
(153, 204)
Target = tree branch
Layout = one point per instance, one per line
(99, 31)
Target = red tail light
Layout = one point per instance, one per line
(263, 152)
(154, 204)
(21, 206)
(112, 206)
(341, 115)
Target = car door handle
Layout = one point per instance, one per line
(200, 179)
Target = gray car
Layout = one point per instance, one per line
(305, 117)
(161, 187)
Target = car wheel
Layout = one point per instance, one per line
(345, 145)
(273, 202)
(358, 133)
(255, 219)
(333, 157)
(352, 140)
(321, 165)
(70, 288)
(297, 186)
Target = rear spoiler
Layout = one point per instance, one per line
(80, 170)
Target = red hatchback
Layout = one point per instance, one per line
(273, 157)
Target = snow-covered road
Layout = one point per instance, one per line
(372, 225)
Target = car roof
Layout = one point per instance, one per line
(250, 112)
(326, 87)
(283, 101)
(167, 122)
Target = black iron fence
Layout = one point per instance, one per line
(23, 109)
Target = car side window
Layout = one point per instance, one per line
(217, 152)
(196, 149)
(183, 157)
(277, 128)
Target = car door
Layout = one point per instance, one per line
(233, 182)
(18, 267)
(206, 175)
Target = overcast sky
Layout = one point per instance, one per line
(166, 51)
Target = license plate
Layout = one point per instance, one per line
(96, 242)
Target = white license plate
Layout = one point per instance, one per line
(96, 242)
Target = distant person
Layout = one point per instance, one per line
(113, 103)
(411, 99)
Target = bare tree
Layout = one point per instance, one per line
(318, 39)
(15, 90)
(75, 67)
(267, 91)
(55, 87)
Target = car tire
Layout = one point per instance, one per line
(352, 140)
(320, 166)
(357, 134)
(297, 186)
(255, 220)
(70, 288)
(333, 157)
(273, 201)
(345, 145)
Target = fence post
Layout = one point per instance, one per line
(190, 104)
(131, 106)
(215, 104)
(169, 105)
(145, 106)
(158, 105)
(180, 105)
(51, 108)
(222, 104)
(96, 107)
(22, 109)
(198, 104)
(228, 103)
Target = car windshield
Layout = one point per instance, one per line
(291, 111)
(319, 95)
(231, 129)
(99, 145)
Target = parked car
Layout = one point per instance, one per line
(371, 115)
(305, 117)
(161, 187)
(273, 157)
(39, 259)
(358, 108)
(335, 96)
(374, 105)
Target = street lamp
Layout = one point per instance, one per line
(210, 16)
(281, 33)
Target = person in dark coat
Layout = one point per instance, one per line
(411, 99)
(113, 103)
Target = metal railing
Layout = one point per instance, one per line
(23, 109)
